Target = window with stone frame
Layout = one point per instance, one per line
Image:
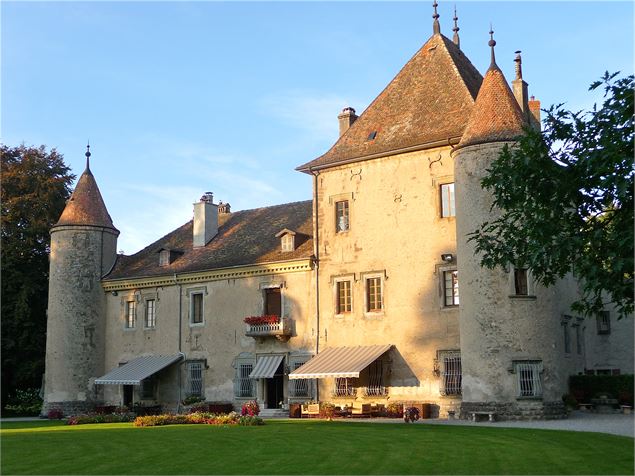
(566, 334)
(528, 378)
(273, 301)
(299, 387)
(342, 216)
(374, 294)
(448, 207)
(450, 288)
(196, 308)
(287, 242)
(604, 323)
(579, 336)
(131, 314)
(150, 316)
(343, 296)
(521, 285)
(194, 375)
(244, 386)
(450, 372)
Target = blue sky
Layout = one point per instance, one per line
(180, 98)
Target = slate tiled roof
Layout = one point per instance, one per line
(244, 237)
(429, 100)
(496, 116)
(85, 206)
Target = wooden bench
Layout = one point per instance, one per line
(491, 415)
(312, 409)
(363, 411)
(585, 407)
(451, 414)
(626, 409)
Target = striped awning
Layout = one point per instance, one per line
(138, 369)
(266, 366)
(340, 362)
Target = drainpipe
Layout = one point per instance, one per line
(316, 252)
(178, 405)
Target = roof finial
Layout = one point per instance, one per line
(456, 29)
(492, 44)
(87, 154)
(519, 68)
(436, 27)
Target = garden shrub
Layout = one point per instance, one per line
(395, 410)
(250, 408)
(219, 408)
(250, 421)
(192, 399)
(327, 410)
(586, 387)
(100, 418)
(55, 414)
(25, 402)
(199, 418)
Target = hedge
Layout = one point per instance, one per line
(585, 387)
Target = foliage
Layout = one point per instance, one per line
(566, 197)
(211, 407)
(250, 421)
(33, 192)
(309, 447)
(251, 408)
(570, 401)
(586, 387)
(25, 402)
(394, 409)
(192, 399)
(327, 410)
(55, 414)
(255, 320)
(411, 414)
(189, 419)
(100, 418)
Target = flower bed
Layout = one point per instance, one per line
(199, 418)
(100, 418)
(256, 320)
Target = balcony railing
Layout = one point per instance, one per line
(375, 391)
(280, 330)
(344, 392)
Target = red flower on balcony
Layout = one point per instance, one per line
(255, 320)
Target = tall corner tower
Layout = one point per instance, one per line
(83, 249)
(508, 353)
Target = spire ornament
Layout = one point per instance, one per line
(88, 154)
(436, 27)
(456, 29)
(492, 44)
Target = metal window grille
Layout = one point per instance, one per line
(520, 282)
(604, 322)
(195, 378)
(451, 288)
(197, 308)
(299, 387)
(344, 298)
(344, 388)
(341, 216)
(448, 208)
(373, 294)
(131, 314)
(244, 385)
(150, 313)
(375, 385)
(528, 379)
(451, 374)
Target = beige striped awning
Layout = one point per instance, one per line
(266, 366)
(340, 362)
(138, 369)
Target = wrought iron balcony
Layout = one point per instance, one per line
(280, 330)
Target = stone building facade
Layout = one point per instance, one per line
(368, 293)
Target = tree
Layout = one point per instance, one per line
(565, 197)
(35, 187)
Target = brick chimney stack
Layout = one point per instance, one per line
(346, 119)
(205, 220)
(534, 112)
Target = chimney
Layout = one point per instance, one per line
(534, 113)
(224, 208)
(205, 220)
(346, 119)
(519, 86)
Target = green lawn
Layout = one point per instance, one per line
(307, 447)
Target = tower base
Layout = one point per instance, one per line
(68, 408)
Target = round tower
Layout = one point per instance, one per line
(509, 328)
(83, 249)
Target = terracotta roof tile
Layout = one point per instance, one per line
(86, 206)
(496, 116)
(244, 237)
(429, 100)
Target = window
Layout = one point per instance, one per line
(578, 338)
(194, 378)
(567, 337)
(374, 298)
(451, 373)
(341, 216)
(344, 387)
(196, 308)
(287, 242)
(131, 314)
(151, 318)
(273, 302)
(451, 288)
(164, 257)
(344, 299)
(604, 322)
(244, 387)
(528, 378)
(147, 389)
(448, 208)
(520, 282)
(298, 387)
(375, 385)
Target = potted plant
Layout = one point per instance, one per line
(327, 410)
(259, 320)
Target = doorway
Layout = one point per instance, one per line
(274, 388)
(127, 395)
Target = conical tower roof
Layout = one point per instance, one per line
(86, 206)
(429, 100)
(496, 116)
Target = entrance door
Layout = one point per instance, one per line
(127, 395)
(275, 388)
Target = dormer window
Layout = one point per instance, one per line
(164, 257)
(287, 240)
